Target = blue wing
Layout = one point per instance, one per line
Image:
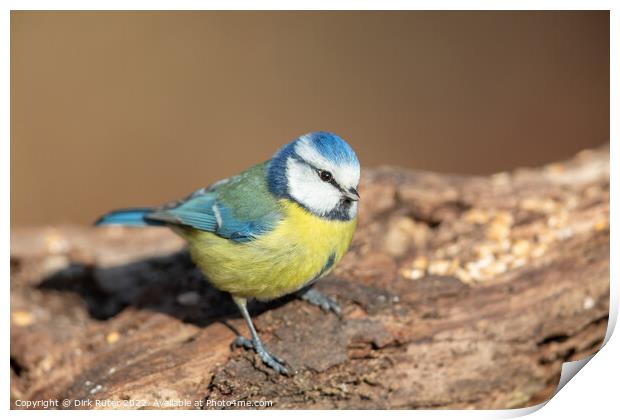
(236, 208)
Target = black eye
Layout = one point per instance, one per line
(325, 176)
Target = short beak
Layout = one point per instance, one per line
(352, 194)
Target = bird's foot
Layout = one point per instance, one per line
(271, 360)
(316, 298)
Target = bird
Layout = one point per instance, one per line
(270, 231)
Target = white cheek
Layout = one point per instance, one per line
(306, 188)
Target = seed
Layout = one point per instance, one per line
(601, 225)
(495, 268)
(463, 275)
(521, 248)
(539, 250)
(518, 263)
(420, 263)
(556, 168)
(477, 217)
(439, 267)
(588, 303)
(55, 242)
(113, 337)
(498, 231)
(484, 250)
(23, 318)
(414, 274)
(504, 218)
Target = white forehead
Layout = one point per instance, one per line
(346, 174)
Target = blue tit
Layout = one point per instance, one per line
(272, 230)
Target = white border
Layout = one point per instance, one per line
(593, 394)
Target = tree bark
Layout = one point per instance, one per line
(458, 292)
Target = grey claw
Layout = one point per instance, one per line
(271, 360)
(278, 359)
(241, 341)
(316, 298)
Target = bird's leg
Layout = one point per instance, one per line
(255, 343)
(314, 297)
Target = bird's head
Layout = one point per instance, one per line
(319, 171)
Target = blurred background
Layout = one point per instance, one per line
(117, 109)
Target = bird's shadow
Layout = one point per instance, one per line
(170, 284)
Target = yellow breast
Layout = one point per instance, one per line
(301, 248)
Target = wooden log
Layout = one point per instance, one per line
(458, 292)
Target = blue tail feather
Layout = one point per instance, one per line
(128, 217)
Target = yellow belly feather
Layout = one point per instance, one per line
(277, 263)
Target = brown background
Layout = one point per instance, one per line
(114, 109)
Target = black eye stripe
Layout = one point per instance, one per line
(331, 179)
(335, 184)
(318, 171)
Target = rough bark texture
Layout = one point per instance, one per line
(458, 292)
